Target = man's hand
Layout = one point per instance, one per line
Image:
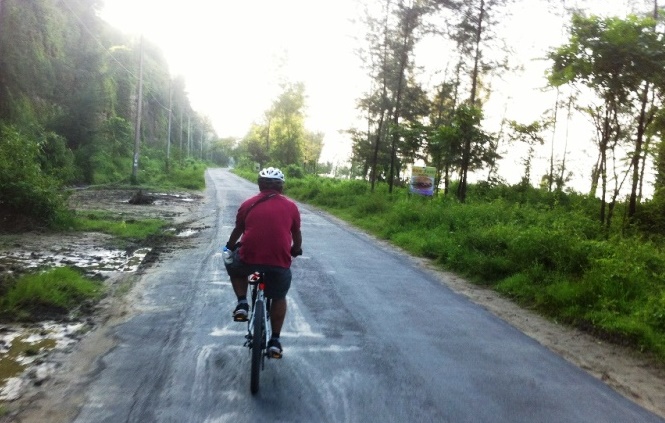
(295, 252)
(233, 247)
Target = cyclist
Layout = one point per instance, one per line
(269, 224)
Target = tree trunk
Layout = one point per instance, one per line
(384, 95)
(562, 175)
(603, 173)
(602, 168)
(466, 153)
(476, 59)
(375, 158)
(637, 153)
(395, 134)
(4, 107)
(550, 178)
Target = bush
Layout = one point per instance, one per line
(294, 171)
(26, 191)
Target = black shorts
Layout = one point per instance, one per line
(277, 279)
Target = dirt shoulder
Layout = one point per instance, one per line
(634, 375)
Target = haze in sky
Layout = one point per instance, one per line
(233, 55)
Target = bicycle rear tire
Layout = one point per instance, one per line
(258, 335)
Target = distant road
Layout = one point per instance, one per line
(368, 337)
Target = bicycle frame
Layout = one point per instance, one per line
(259, 329)
(258, 295)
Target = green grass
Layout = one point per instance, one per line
(113, 225)
(110, 223)
(55, 292)
(546, 251)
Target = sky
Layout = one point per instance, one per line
(234, 54)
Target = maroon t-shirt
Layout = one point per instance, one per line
(268, 227)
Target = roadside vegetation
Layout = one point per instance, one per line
(33, 198)
(61, 293)
(544, 250)
(128, 230)
(53, 294)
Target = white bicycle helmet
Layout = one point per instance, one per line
(271, 173)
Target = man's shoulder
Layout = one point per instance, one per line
(287, 199)
(251, 200)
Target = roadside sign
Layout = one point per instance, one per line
(422, 180)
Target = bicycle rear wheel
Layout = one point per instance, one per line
(258, 335)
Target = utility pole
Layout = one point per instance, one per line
(168, 142)
(181, 131)
(139, 109)
(189, 133)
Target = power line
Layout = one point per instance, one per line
(109, 52)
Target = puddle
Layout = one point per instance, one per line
(92, 260)
(23, 348)
(163, 197)
(160, 199)
(185, 233)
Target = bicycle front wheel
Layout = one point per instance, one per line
(258, 336)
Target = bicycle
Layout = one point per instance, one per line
(259, 329)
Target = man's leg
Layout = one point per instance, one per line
(277, 314)
(241, 311)
(239, 286)
(281, 282)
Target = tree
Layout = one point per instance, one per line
(222, 151)
(477, 145)
(444, 150)
(395, 98)
(474, 33)
(619, 60)
(531, 135)
(282, 138)
(286, 130)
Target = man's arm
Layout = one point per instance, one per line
(296, 249)
(235, 236)
(297, 239)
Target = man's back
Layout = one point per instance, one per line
(269, 225)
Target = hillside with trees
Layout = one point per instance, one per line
(69, 97)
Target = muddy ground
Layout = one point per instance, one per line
(635, 375)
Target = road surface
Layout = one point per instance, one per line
(369, 337)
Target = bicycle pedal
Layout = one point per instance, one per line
(275, 355)
(240, 318)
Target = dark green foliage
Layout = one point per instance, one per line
(650, 216)
(293, 171)
(26, 191)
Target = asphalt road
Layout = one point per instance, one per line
(369, 337)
